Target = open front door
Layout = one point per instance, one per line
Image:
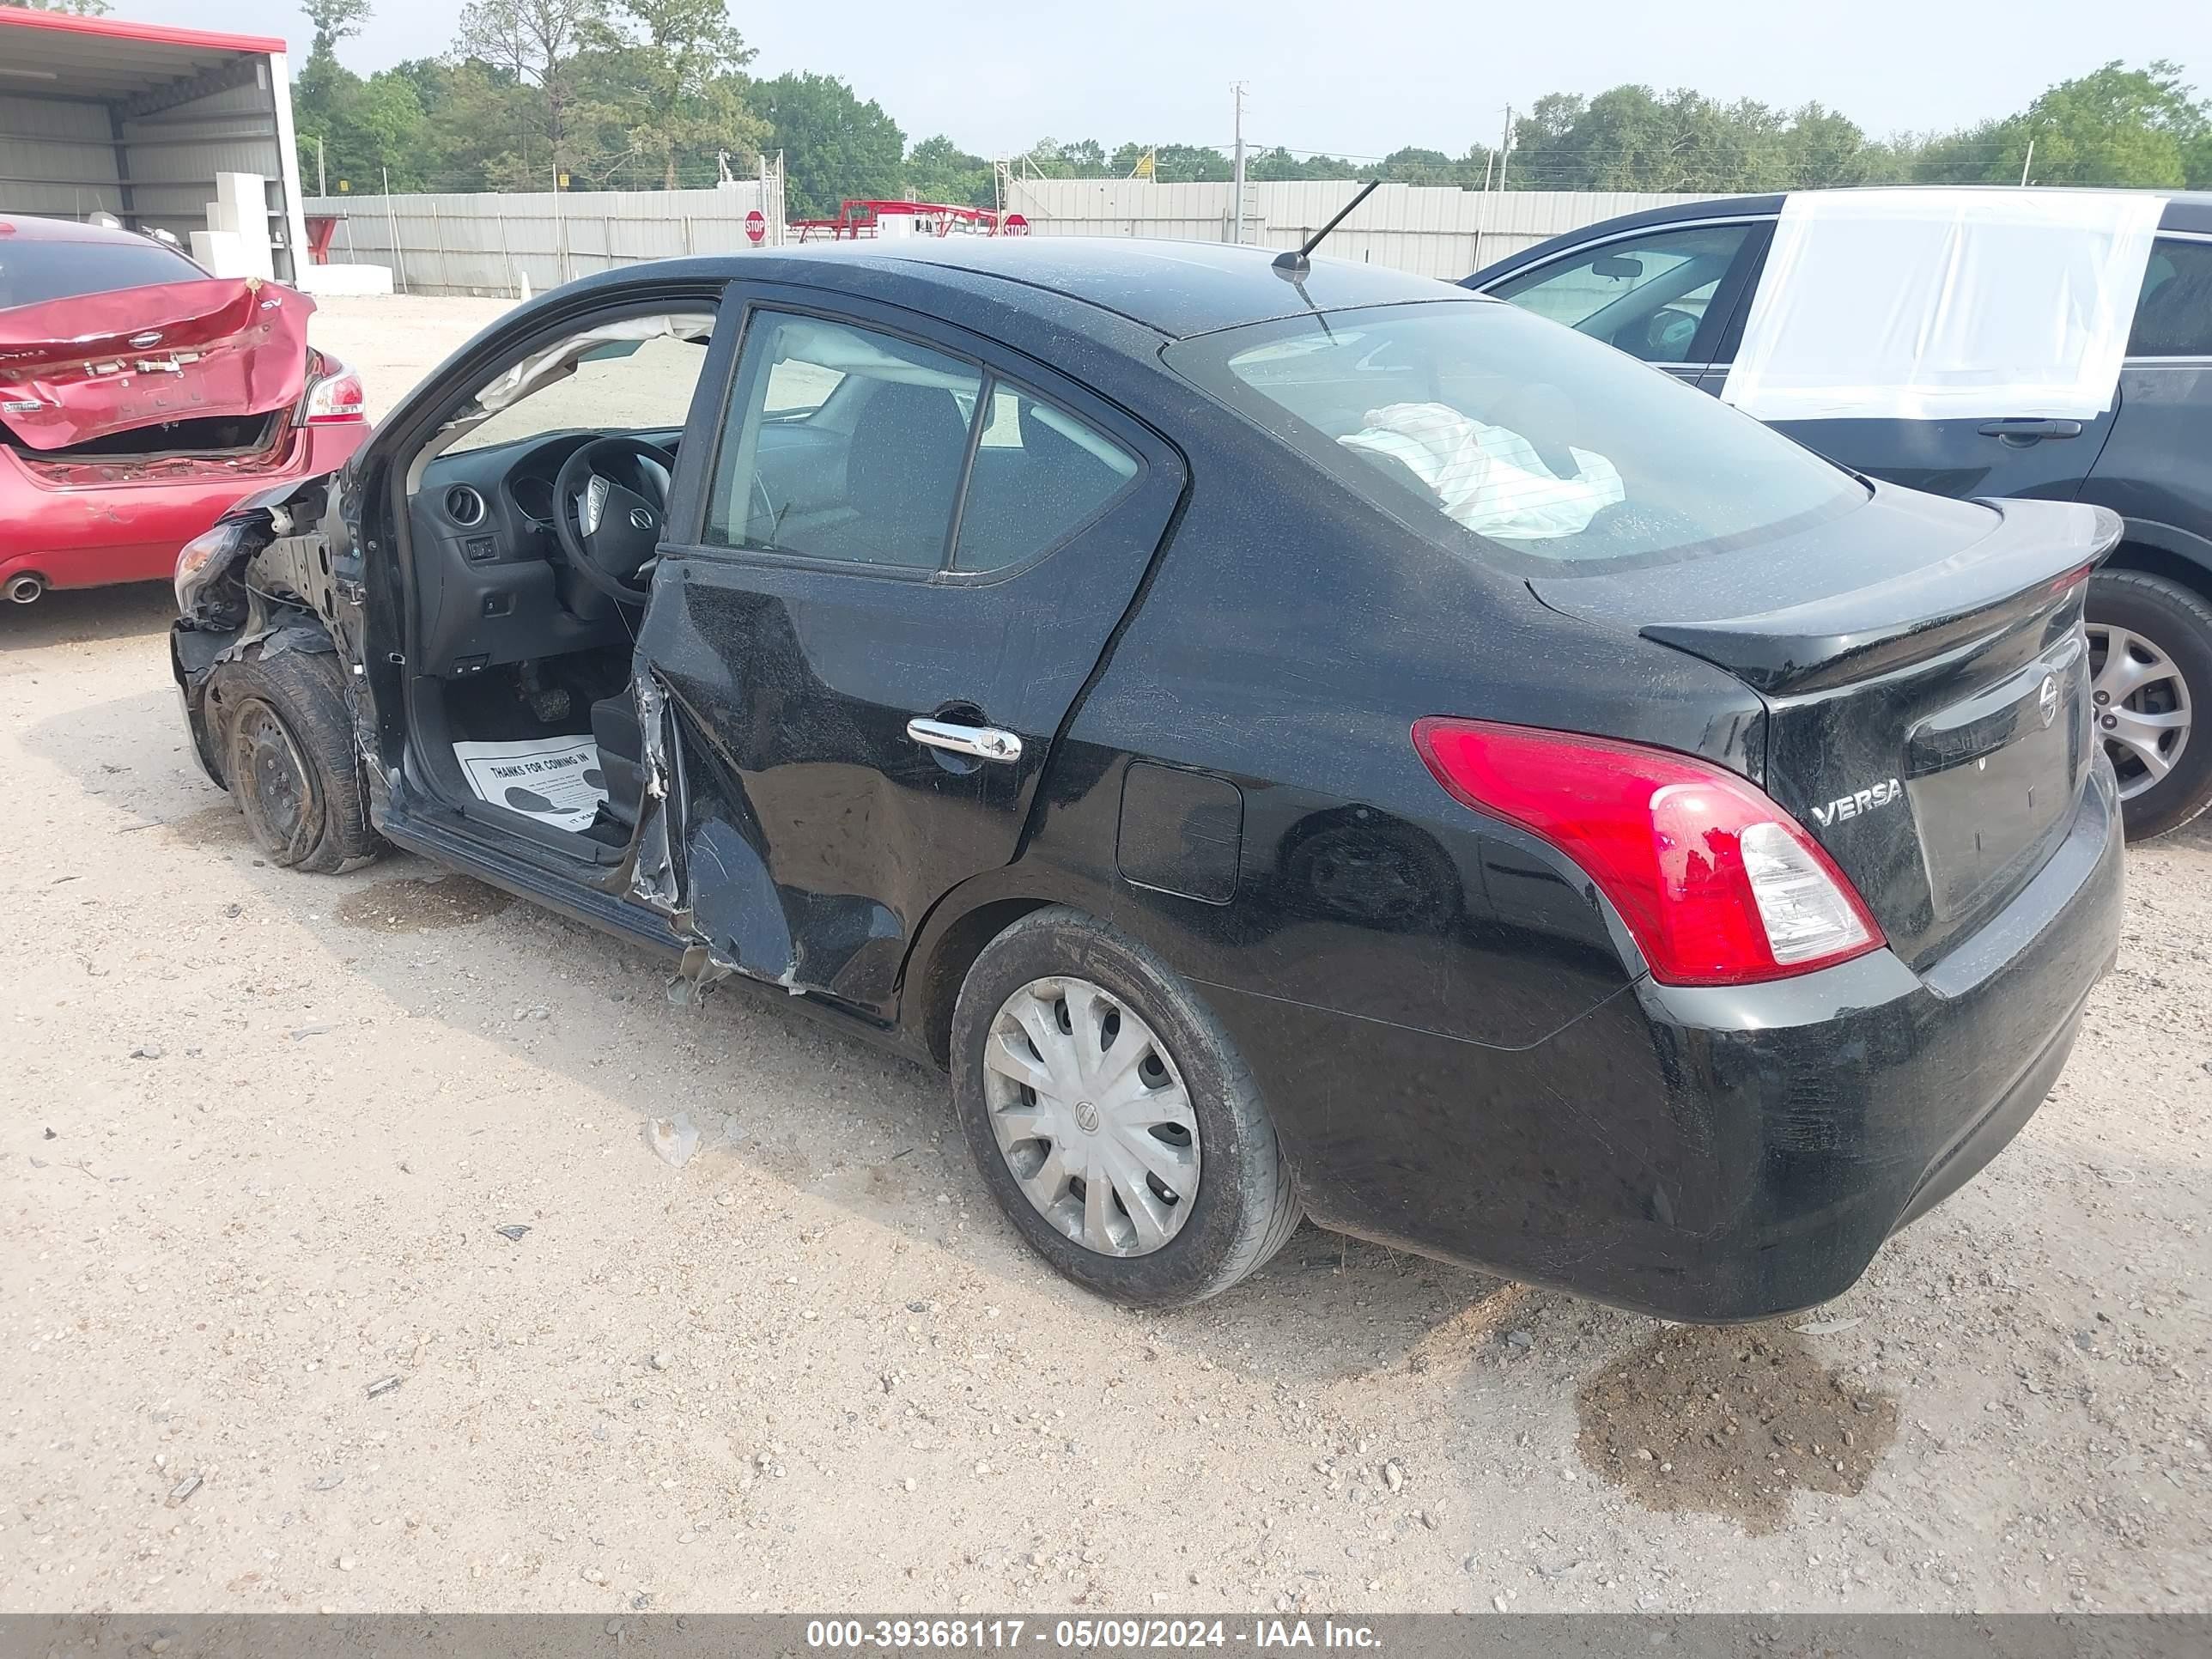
(911, 559)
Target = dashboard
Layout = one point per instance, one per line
(491, 585)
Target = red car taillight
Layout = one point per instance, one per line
(334, 396)
(1717, 884)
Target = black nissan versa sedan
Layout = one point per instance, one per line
(1303, 741)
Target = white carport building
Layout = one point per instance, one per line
(137, 119)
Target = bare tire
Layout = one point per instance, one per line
(2150, 654)
(1112, 1117)
(288, 756)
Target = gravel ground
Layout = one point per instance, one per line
(337, 1270)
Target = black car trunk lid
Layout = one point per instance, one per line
(1926, 683)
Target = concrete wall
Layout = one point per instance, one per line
(1438, 231)
(491, 243)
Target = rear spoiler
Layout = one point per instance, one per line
(2010, 575)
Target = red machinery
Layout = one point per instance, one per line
(856, 220)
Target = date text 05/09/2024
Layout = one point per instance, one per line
(1086, 1635)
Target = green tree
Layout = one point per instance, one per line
(75, 8)
(536, 42)
(334, 21)
(939, 170)
(1821, 149)
(2113, 126)
(666, 72)
(834, 145)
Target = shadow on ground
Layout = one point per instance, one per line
(81, 615)
(1327, 1307)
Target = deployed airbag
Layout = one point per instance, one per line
(1488, 478)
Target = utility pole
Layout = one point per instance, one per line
(1505, 147)
(1236, 88)
(323, 185)
(2026, 164)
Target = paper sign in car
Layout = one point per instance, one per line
(556, 781)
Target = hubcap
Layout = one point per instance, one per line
(2140, 704)
(1091, 1116)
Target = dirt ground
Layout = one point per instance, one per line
(336, 1271)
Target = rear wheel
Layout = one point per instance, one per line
(1112, 1117)
(288, 756)
(2150, 666)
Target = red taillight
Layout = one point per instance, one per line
(334, 396)
(1719, 885)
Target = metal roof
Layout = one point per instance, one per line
(56, 54)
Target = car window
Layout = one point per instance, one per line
(1645, 295)
(1039, 474)
(591, 381)
(1538, 445)
(841, 443)
(33, 273)
(2174, 318)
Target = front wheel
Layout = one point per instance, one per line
(1112, 1117)
(288, 759)
(2150, 667)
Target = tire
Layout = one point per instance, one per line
(1243, 1209)
(2175, 622)
(286, 740)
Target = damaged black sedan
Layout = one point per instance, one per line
(1290, 741)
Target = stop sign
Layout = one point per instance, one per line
(756, 227)
(1013, 225)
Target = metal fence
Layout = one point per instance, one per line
(1436, 230)
(495, 243)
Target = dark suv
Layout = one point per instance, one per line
(1673, 286)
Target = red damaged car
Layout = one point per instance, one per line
(140, 398)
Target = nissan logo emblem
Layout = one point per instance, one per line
(2047, 698)
(641, 519)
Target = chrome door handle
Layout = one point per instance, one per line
(983, 742)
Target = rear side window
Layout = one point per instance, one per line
(2174, 319)
(1039, 475)
(1646, 296)
(843, 444)
(34, 272)
(1538, 446)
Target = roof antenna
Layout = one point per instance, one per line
(1296, 264)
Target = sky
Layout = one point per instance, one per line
(1363, 80)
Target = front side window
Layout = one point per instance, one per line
(842, 443)
(2174, 318)
(1646, 296)
(1542, 447)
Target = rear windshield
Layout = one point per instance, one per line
(1542, 447)
(31, 272)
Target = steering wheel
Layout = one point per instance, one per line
(608, 529)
